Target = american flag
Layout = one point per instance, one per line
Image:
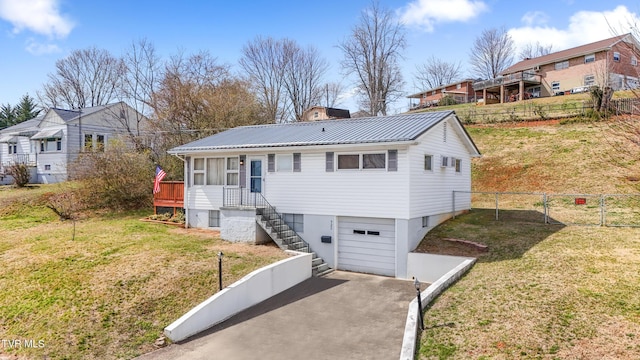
(160, 174)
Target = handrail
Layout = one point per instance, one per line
(243, 197)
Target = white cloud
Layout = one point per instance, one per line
(427, 13)
(39, 16)
(584, 27)
(535, 18)
(37, 48)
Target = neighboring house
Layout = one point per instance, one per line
(51, 141)
(461, 91)
(316, 113)
(611, 62)
(362, 193)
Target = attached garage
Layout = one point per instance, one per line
(367, 245)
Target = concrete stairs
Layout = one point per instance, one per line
(287, 239)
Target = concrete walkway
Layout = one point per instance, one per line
(339, 316)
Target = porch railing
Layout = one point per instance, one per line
(27, 159)
(242, 197)
(507, 79)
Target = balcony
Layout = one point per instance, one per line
(528, 77)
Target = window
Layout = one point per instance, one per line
(315, 114)
(198, 171)
(373, 161)
(555, 86)
(214, 218)
(444, 161)
(562, 65)
(47, 167)
(284, 162)
(425, 221)
(13, 148)
(589, 58)
(50, 145)
(271, 162)
(458, 165)
(88, 142)
(295, 221)
(459, 86)
(348, 162)
(433, 92)
(616, 56)
(99, 142)
(634, 60)
(329, 159)
(589, 80)
(215, 171)
(233, 164)
(428, 162)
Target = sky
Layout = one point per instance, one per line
(34, 34)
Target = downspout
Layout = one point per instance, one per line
(184, 194)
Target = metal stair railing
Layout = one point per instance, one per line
(271, 216)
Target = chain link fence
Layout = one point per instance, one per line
(621, 210)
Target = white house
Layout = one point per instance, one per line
(362, 192)
(50, 142)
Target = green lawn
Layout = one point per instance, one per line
(540, 292)
(109, 293)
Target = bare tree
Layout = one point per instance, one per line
(142, 73)
(492, 53)
(371, 53)
(532, 50)
(304, 71)
(197, 97)
(264, 61)
(331, 94)
(436, 72)
(88, 77)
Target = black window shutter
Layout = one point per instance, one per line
(297, 166)
(271, 160)
(329, 162)
(393, 160)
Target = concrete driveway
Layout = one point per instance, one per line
(339, 316)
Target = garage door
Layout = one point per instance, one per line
(367, 245)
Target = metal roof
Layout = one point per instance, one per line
(395, 128)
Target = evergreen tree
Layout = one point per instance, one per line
(7, 115)
(26, 109)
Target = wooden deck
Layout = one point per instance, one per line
(171, 195)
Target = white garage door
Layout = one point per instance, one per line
(367, 245)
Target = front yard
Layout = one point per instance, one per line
(109, 292)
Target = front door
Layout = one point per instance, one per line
(255, 178)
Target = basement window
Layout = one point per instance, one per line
(425, 221)
(295, 221)
(214, 218)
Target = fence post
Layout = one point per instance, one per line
(497, 206)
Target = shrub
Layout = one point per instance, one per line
(20, 174)
(447, 100)
(119, 178)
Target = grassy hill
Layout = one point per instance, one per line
(108, 291)
(541, 291)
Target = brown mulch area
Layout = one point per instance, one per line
(444, 247)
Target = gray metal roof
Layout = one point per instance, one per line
(394, 128)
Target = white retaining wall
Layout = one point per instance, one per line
(430, 267)
(252, 289)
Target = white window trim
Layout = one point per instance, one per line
(425, 163)
(195, 172)
(278, 159)
(204, 172)
(361, 161)
(457, 164)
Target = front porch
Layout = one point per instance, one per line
(507, 88)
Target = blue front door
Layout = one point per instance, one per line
(256, 176)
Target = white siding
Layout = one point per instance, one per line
(431, 191)
(313, 190)
(204, 197)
